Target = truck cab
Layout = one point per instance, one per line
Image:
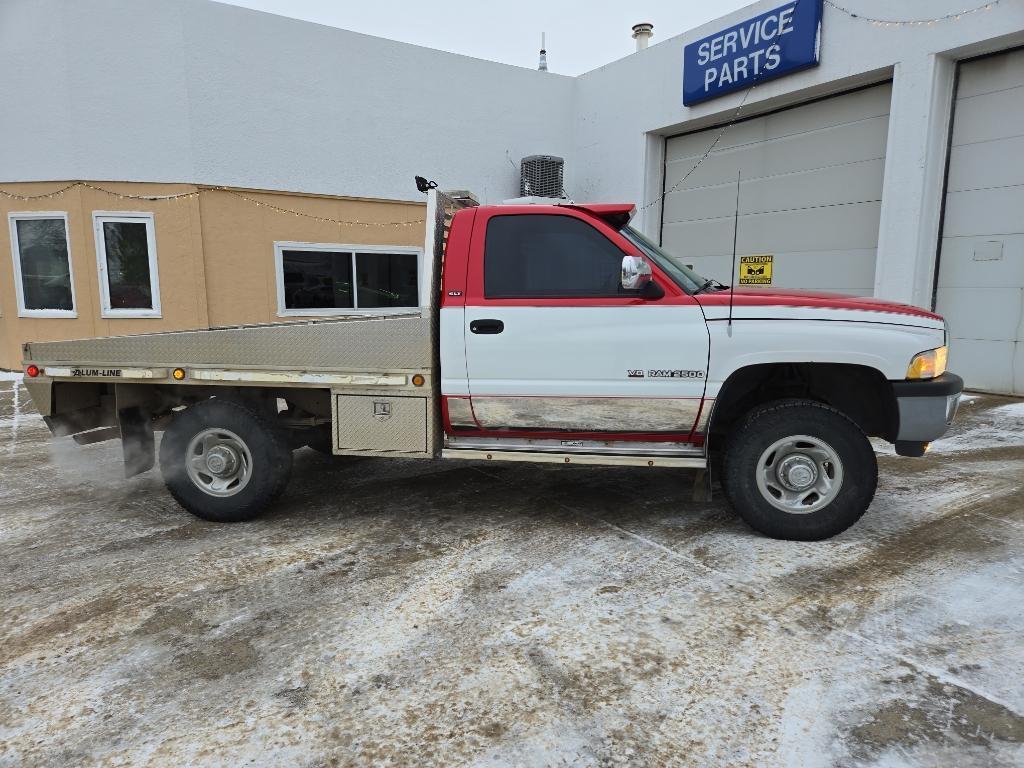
(563, 329)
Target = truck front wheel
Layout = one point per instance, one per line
(799, 470)
(224, 461)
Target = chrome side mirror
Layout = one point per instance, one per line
(636, 272)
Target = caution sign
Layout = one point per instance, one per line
(756, 270)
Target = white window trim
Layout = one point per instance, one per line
(282, 311)
(133, 217)
(19, 287)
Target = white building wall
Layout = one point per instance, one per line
(196, 91)
(191, 90)
(620, 106)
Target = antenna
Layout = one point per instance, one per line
(735, 232)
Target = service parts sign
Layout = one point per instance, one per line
(767, 46)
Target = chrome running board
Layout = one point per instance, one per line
(553, 457)
(571, 446)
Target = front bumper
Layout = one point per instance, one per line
(927, 407)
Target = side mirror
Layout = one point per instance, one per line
(636, 276)
(636, 272)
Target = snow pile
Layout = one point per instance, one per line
(999, 427)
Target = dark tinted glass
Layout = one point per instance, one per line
(317, 279)
(540, 256)
(128, 265)
(45, 272)
(386, 280)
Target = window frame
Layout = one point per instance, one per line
(129, 217)
(473, 264)
(281, 246)
(630, 295)
(13, 217)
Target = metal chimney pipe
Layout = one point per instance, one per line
(543, 66)
(642, 33)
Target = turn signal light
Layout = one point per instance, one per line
(418, 380)
(178, 374)
(928, 365)
(32, 371)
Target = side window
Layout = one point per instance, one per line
(545, 256)
(319, 280)
(42, 265)
(324, 279)
(387, 280)
(126, 250)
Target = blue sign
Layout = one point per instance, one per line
(767, 46)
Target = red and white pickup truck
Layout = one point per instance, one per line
(551, 333)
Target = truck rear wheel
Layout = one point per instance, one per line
(799, 470)
(224, 461)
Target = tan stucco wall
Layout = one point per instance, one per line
(239, 237)
(215, 254)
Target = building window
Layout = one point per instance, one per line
(43, 278)
(126, 252)
(325, 279)
(533, 256)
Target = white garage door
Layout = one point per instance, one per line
(811, 193)
(981, 261)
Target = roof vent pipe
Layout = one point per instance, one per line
(543, 66)
(642, 33)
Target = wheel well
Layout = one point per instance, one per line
(861, 393)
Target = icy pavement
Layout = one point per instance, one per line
(407, 613)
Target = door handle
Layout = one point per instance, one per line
(487, 326)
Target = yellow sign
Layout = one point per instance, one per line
(756, 270)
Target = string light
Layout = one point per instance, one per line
(707, 152)
(48, 195)
(711, 147)
(196, 193)
(734, 118)
(954, 16)
(877, 22)
(322, 219)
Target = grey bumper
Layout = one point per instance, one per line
(927, 407)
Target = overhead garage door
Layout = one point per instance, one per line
(811, 193)
(981, 261)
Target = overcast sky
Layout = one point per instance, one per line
(581, 34)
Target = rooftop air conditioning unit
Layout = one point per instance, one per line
(542, 176)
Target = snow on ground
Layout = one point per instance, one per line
(397, 612)
(998, 427)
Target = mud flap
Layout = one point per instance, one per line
(136, 441)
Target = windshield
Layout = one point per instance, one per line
(681, 275)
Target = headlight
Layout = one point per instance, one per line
(928, 365)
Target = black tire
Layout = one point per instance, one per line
(769, 424)
(264, 445)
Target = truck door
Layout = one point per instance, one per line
(554, 343)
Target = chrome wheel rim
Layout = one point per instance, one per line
(799, 474)
(218, 462)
